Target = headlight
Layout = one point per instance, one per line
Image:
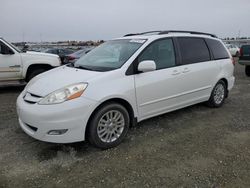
(68, 93)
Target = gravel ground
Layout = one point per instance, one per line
(193, 147)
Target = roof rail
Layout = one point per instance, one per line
(191, 32)
(144, 33)
(171, 31)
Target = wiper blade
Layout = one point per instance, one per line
(84, 67)
(70, 65)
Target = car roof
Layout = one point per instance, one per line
(168, 33)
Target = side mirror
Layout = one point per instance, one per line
(146, 66)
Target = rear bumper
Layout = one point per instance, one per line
(231, 82)
(244, 62)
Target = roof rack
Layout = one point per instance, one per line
(191, 32)
(144, 33)
(171, 31)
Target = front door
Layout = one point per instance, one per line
(158, 91)
(10, 63)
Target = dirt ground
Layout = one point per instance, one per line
(193, 147)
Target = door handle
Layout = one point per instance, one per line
(176, 72)
(15, 66)
(186, 70)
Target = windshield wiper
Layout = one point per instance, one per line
(70, 65)
(84, 67)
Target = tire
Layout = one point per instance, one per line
(247, 70)
(103, 130)
(218, 95)
(34, 73)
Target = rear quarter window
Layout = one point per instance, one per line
(218, 49)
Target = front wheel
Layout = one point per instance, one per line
(218, 95)
(108, 126)
(247, 70)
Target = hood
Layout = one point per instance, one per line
(58, 78)
(31, 53)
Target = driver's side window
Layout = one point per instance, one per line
(5, 49)
(161, 52)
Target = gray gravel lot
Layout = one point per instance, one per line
(193, 147)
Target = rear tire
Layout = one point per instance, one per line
(34, 73)
(108, 126)
(218, 95)
(247, 70)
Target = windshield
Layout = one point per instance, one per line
(110, 55)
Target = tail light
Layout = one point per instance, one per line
(71, 58)
(241, 51)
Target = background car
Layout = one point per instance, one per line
(19, 67)
(71, 58)
(244, 58)
(61, 52)
(233, 49)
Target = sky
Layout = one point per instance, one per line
(55, 20)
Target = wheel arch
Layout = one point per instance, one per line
(226, 83)
(123, 102)
(32, 67)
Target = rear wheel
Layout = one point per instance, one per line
(108, 126)
(34, 73)
(247, 70)
(218, 95)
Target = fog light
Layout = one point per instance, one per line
(57, 132)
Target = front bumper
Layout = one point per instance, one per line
(37, 120)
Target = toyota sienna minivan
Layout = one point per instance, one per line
(124, 81)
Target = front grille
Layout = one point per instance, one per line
(31, 98)
(31, 127)
(30, 102)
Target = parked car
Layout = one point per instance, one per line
(233, 49)
(71, 58)
(61, 52)
(244, 58)
(17, 67)
(125, 81)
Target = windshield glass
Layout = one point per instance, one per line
(110, 55)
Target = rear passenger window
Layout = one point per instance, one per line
(162, 52)
(193, 50)
(217, 48)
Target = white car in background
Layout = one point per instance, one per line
(124, 81)
(233, 49)
(17, 67)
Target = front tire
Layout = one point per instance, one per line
(218, 95)
(247, 70)
(108, 126)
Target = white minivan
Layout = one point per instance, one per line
(124, 81)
